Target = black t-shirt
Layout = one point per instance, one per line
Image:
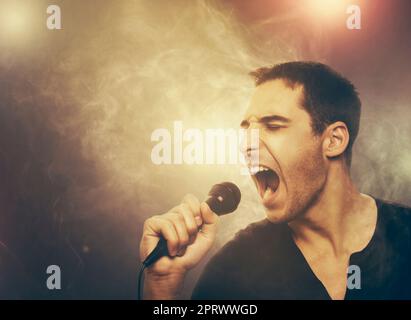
(263, 262)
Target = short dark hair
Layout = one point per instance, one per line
(328, 96)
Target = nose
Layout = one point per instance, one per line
(250, 145)
(249, 150)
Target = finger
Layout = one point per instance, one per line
(210, 220)
(181, 252)
(209, 217)
(192, 202)
(179, 224)
(159, 226)
(190, 221)
(194, 205)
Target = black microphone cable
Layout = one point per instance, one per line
(140, 281)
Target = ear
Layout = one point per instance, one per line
(336, 138)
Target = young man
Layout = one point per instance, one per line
(318, 224)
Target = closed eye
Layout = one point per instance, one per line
(273, 126)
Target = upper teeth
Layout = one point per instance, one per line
(254, 170)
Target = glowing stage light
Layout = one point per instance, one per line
(326, 9)
(13, 21)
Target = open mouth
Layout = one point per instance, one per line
(267, 181)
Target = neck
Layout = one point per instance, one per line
(336, 216)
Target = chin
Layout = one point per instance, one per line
(277, 215)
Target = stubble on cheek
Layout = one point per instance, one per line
(305, 180)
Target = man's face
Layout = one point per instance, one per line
(290, 154)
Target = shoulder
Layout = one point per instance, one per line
(240, 261)
(256, 238)
(393, 211)
(395, 219)
(394, 206)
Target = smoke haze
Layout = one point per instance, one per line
(78, 106)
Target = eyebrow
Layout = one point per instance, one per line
(266, 119)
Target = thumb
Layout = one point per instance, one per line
(210, 219)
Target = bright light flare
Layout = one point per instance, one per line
(326, 9)
(14, 22)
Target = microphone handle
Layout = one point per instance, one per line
(159, 251)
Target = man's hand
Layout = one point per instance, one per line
(190, 229)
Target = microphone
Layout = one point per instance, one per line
(223, 198)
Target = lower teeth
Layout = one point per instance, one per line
(268, 190)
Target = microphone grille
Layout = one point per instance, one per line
(224, 198)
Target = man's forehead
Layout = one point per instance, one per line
(275, 97)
